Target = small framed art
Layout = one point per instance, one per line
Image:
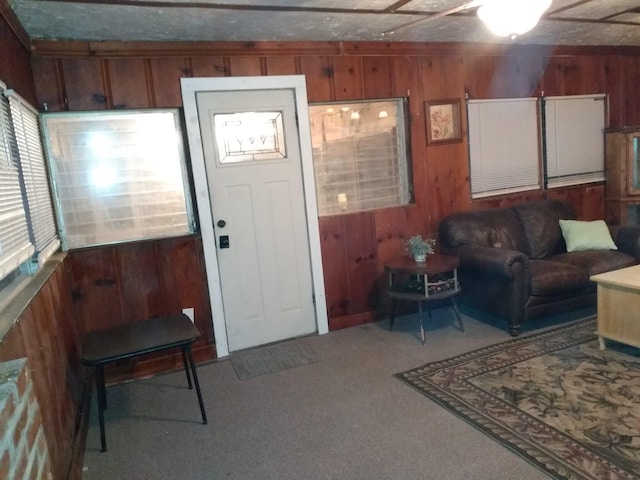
(443, 121)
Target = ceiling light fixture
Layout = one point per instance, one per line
(510, 18)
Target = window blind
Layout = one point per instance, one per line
(15, 246)
(504, 149)
(574, 136)
(35, 181)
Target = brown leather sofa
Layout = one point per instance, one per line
(514, 263)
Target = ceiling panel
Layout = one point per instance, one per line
(316, 20)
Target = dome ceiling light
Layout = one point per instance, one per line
(510, 18)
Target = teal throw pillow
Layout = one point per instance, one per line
(580, 235)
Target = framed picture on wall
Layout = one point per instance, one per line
(443, 121)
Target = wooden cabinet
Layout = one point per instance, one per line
(622, 163)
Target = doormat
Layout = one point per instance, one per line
(553, 398)
(264, 360)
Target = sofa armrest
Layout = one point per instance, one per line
(627, 239)
(492, 261)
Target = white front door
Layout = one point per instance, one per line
(254, 175)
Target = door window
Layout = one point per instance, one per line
(249, 136)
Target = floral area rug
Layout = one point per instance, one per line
(553, 398)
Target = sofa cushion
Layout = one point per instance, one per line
(494, 227)
(595, 261)
(581, 236)
(549, 277)
(540, 221)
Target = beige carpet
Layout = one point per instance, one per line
(554, 398)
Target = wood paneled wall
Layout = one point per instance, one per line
(15, 62)
(106, 75)
(48, 335)
(46, 331)
(119, 284)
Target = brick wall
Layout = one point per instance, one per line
(23, 448)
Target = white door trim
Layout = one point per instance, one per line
(190, 86)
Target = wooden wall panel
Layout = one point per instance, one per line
(119, 284)
(347, 78)
(215, 66)
(631, 91)
(334, 262)
(128, 83)
(165, 76)
(84, 87)
(614, 85)
(588, 201)
(391, 230)
(572, 75)
(141, 291)
(318, 72)
(593, 75)
(47, 334)
(184, 281)
(434, 82)
(245, 66)
(367, 70)
(376, 72)
(442, 79)
(15, 64)
(527, 74)
(49, 83)
(47, 331)
(361, 250)
(484, 79)
(553, 80)
(96, 288)
(281, 66)
(514, 77)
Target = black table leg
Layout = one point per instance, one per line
(195, 380)
(457, 312)
(422, 336)
(186, 366)
(102, 404)
(393, 313)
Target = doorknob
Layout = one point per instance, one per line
(221, 223)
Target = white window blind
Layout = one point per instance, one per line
(15, 246)
(504, 148)
(574, 135)
(35, 181)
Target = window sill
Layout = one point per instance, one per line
(26, 292)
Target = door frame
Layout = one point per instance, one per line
(190, 87)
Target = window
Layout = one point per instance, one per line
(15, 247)
(249, 136)
(360, 155)
(118, 176)
(503, 146)
(27, 227)
(39, 207)
(506, 136)
(574, 139)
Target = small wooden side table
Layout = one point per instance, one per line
(434, 279)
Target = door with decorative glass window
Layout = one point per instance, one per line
(254, 174)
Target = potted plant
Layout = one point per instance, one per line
(419, 247)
